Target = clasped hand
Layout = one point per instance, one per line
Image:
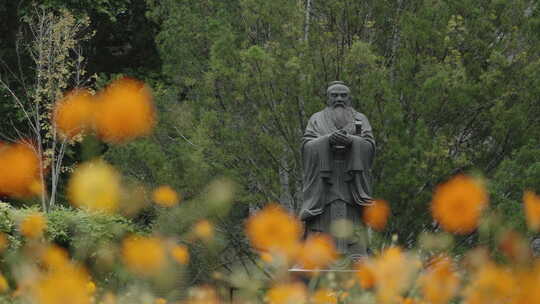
(340, 138)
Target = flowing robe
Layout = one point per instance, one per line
(319, 161)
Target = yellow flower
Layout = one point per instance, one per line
(165, 196)
(124, 111)
(458, 204)
(365, 275)
(439, 283)
(4, 286)
(95, 186)
(531, 203)
(324, 296)
(180, 254)
(33, 225)
(204, 230)
(73, 113)
(287, 293)
(143, 255)
(20, 169)
(317, 252)
(376, 215)
(66, 285)
(274, 230)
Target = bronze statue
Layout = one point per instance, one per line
(337, 150)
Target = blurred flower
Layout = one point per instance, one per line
(274, 230)
(95, 185)
(204, 230)
(180, 254)
(458, 204)
(394, 271)
(3, 242)
(528, 280)
(324, 296)
(531, 203)
(365, 275)
(73, 113)
(287, 293)
(203, 295)
(514, 247)
(108, 298)
(317, 252)
(409, 301)
(91, 287)
(20, 170)
(143, 255)
(54, 257)
(133, 198)
(33, 225)
(376, 214)
(66, 285)
(165, 196)
(124, 111)
(266, 257)
(491, 284)
(160, 301)
(439, 283)
(4, 286)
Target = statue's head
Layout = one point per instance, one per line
(338, 94)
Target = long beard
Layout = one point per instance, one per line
(341, 116)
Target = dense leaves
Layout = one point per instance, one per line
(448, 86)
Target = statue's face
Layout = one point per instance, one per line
(339, 96)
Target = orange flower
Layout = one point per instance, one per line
(3, 242)
(324, 296)
(439, 283)
(160, 301)
(67, 285)
(54, 257)
(20, 170)
(287, 293)
(73, 113)
(376, 214)
(491, 284)
(33, 225)
(124, 111)
(528, 280)
(274, 230)
(458, 204)
(514, 247)
(365, 275)
(531, 203)
(394, 271)
(143, 255)
(165, 196)
(317, 252)
(180, 254)
(95, 186)
(204, 230)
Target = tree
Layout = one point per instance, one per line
(52, 41)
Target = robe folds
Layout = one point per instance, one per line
(319, 159)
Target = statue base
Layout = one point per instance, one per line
(344, 265)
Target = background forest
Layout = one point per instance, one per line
(449, 86)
